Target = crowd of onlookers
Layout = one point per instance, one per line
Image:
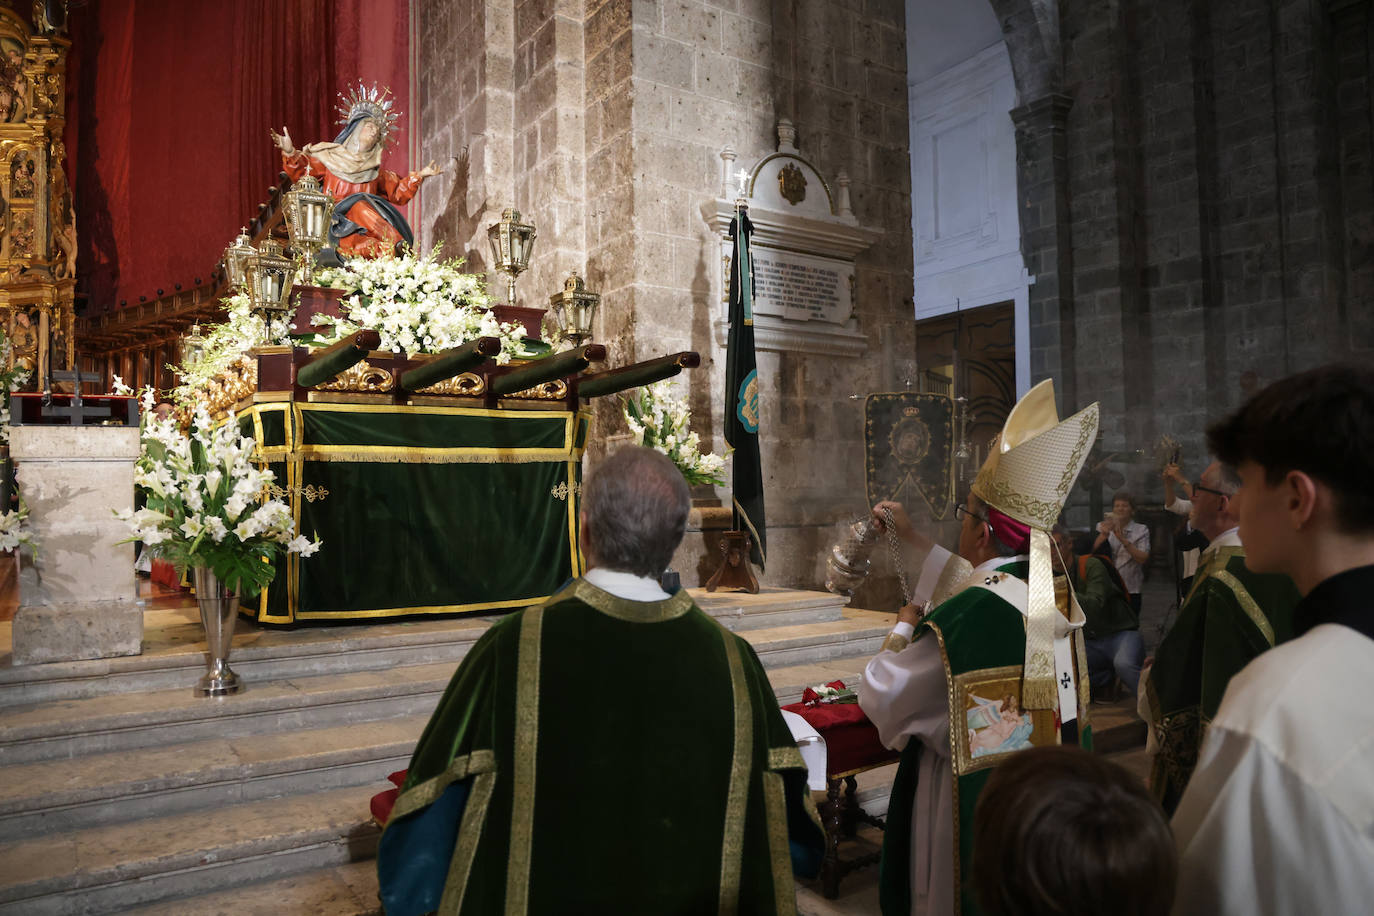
(1274, 810)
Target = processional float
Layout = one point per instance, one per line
(439, 483)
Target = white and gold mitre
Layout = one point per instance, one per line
(1036, 459)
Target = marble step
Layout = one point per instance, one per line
(98, 788)
(858, 633)
(789, 682)
(341, 890)
(174, 646)
(115, 867)
(771, 607)
(351, 889)
(95, 788)
(174, 656)
(59, 795)
(123, 721)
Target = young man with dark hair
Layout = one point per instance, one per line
(1229, 617)
(1279, 815)
(1059, 831)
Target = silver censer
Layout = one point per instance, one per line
(849, 561)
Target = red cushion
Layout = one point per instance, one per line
(829, 715)
(851, 740)
(381, 805)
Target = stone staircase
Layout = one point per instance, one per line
(122, 791)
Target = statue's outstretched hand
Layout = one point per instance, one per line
(428, 170)
(283, 141)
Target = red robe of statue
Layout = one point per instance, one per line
(381, 237)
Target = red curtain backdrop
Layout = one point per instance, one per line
(168, 119)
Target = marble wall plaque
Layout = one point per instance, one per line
(802, 287)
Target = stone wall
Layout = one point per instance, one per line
(839, 73)
(603, 122)
(1201, 173)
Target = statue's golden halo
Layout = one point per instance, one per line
(371, 102)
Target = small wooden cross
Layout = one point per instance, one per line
(76, 412)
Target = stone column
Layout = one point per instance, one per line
(82, 606)
(1043, 179)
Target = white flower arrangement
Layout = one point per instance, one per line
(659, 419)
(15, 532)
(419, 304)
(206, 504)
(223, 344)
(10, 380)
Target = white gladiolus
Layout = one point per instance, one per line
(198, 497)
(234, 506)
(660, 420)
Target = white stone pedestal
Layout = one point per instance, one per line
(73, 478)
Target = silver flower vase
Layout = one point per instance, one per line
(219, 610)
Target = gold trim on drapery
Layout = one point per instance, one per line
(526, 749)
(737, 799)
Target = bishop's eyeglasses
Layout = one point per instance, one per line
(961, 510)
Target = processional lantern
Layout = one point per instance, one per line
(573, 309)
(269, 275)
(511, 244)
(192, 345)
(308, 213)
(236, 258)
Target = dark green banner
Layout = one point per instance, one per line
(908, 441)
(742, 393)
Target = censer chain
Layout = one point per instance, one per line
(895, 551)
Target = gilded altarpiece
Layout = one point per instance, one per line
(37, 223)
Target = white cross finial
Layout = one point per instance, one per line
(742, 176)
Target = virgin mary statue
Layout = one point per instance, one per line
(366, 219)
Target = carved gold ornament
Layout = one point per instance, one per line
(463, 385)
(555, 390)
(561, 491)
(792, 184)
(362, 376)
(310, 492)
(238, 382)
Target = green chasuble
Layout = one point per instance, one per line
(1230, 617)
(598, 755)
(982, 638)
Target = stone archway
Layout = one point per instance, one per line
(1031, 30)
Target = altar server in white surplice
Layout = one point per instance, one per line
(1279, 815)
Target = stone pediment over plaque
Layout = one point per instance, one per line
(805, 241)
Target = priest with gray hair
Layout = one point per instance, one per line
(611, 682)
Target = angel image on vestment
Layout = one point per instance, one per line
(997, 726)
